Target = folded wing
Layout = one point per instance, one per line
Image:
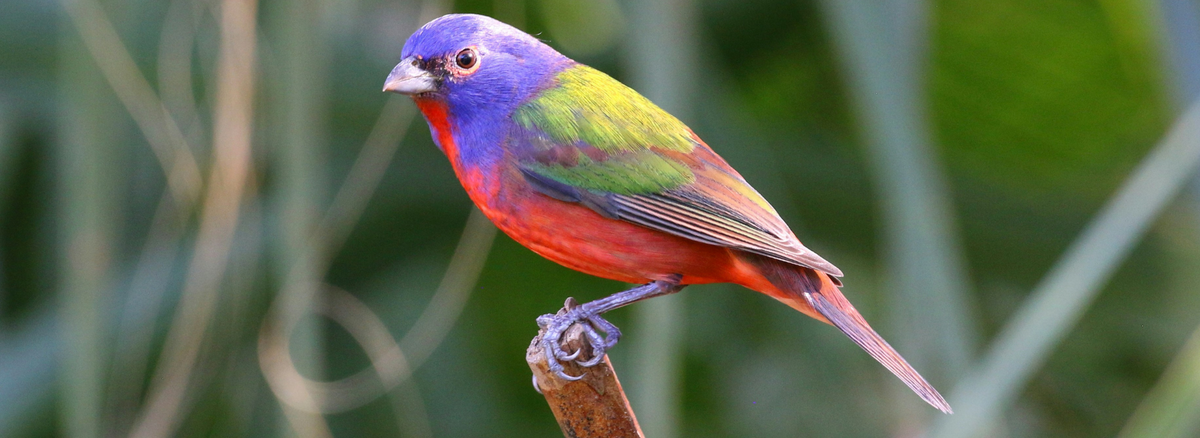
(594, 141)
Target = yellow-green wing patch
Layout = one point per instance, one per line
(627, 174)
(591, 132)
(590, 107)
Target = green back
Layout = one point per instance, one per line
(620, 136)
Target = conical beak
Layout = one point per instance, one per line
(409, 78)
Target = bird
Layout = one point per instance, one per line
(586, 172)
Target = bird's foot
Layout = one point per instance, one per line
(591, 322)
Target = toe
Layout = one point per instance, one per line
(562, 354)
(595, 360)
(563, 375)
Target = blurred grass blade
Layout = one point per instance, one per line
(662, 63)
(1172, 408)
(1056, 304)
(391, 363)
(146, 289)
(88, 210)
(456, 286)
(8, 156)
(176, 49)
(232, 135)
(368, 170)
(8, 152)
(299, 94)
(31, 353)
(374, 157)
(150, 283)
(372, 334)
(1181, 20)
(324, 240)
(29, 359)
(118, 68)
(882, 46)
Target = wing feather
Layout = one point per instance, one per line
(714, 227)
(593, 141)
(690, 213)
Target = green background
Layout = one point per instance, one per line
(1034, 113)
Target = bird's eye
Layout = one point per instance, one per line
(466, 58)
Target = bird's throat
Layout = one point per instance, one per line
(437, 114)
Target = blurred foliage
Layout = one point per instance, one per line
(1040, 109)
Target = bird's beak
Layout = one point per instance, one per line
(409, 78)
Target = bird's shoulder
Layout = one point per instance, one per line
(582, 104)
(588, 130)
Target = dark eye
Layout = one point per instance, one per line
(466, 59)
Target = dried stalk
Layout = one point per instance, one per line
(594, 406)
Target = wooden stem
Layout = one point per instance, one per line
(592, 407)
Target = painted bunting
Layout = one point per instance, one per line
(588, 173)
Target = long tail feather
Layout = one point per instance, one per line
(865, 337)
(808, 290)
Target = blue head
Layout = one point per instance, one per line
(478, 66)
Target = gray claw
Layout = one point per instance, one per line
(591, 362)
(562, 355)
(535, 385)
(565, 376)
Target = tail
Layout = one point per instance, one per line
(810, 291)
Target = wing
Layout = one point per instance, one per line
(594, 141)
